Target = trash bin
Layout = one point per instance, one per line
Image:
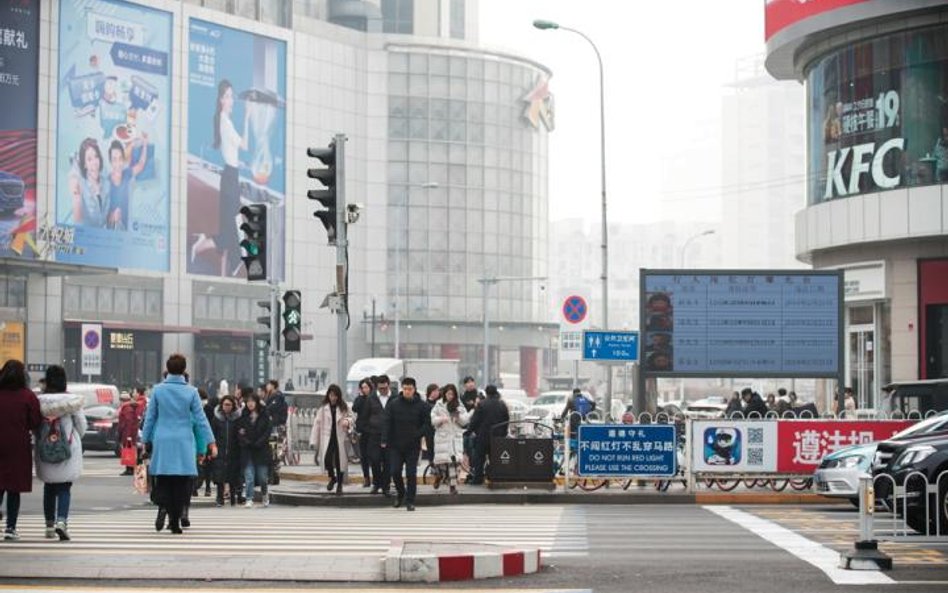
(521, 460)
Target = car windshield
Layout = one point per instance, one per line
(549, 400)
(933, 424)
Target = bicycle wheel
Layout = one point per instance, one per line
(750, 483)
(803, 484)
(779, 485)
(429, 471)
(662, 485)
(590, 484)
(627, 484)
(727, 485)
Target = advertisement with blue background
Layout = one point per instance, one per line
(236, 144)
(113, 149)
(19, 69)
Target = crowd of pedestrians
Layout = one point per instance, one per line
(747, 403)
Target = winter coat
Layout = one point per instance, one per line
(277, 408)
(254, 438)
(72, 423)
(371, 415)
(449, 432)
(226, 466)
(358, 409)
(321, 435)
(173, 414)
(468, 399)
(19, 416)
(487, 416)
(756, 404)
(733, 407)
(128, 423)
(405, 423)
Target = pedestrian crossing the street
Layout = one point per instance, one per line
(305, 531)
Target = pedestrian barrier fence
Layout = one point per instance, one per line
(909, 508)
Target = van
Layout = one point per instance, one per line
(96, 394)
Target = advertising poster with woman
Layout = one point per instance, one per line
(19, 66)
(113, 135)
(236, 144)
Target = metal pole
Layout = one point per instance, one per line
(485, 286)
(274, 329)
(398, 278)
(373, 327)
(342, 247)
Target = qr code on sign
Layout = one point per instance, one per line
(755, 436)
(755, 456)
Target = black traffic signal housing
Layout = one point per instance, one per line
(327, 196)
(253, 246)
(292, 320)
(267, 321)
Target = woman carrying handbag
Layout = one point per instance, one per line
(329, 435)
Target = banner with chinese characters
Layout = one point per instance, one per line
(236, 144)
(19, 70)
(779, 446)
(113, 136)
(803, 443)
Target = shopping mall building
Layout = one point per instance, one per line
(131, 133)
(876, 79)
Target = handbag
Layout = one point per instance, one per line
(129, 456)
(140, 482)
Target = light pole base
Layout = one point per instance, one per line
(865, 555)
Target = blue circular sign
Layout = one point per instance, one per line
(91, 339)
(575, 309)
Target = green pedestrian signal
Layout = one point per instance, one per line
(292, 320)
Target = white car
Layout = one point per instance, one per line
(709, 407)
(548, 407)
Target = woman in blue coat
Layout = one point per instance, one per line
(173, 416)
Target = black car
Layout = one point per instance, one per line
(915, 463)
(102, 432)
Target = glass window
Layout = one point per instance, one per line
(136, 302)
(457, 154)
(419, 152)
(457, 131)
(456, 216)
(89, 299)
(418, 84)
(200, 306)
(120, 301)
(456, 262)
(105, 299)
(475, 68)
(439, 108)
(439, 152)
(437, 220)
(439, 129)
(397, 62)
(397, 127)
(490, 179)
(456, 199)
(439, 174)
(418, 174)
(243, 310)
(491, 70)
(490, 135)
(246, 8)
(397, 84)
(457, 174)
(397, 106)
(418, 107)
(153, 303)
(439, 258)
(398, 16)
(230, 307)
(458, 88)
(70, 296)
(439, 86)
(418, 128)
(438, 64)
(457, 19)
(275, 12)
(438, 196)
(397, 151)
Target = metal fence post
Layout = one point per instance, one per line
(566, 457)
(689, 475)
(865, 554)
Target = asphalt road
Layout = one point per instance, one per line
(601, 548)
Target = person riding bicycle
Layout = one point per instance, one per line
(580, 404)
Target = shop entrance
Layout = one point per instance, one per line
(936, 341)
(861, 354)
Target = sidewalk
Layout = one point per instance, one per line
(305, 485)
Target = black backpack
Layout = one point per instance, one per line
(52, 446)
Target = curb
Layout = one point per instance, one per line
(413, 562)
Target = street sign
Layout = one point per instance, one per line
(618, 346)
(575, 309)
(91, 349)
(627, 450)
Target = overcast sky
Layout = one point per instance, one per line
(666, 64)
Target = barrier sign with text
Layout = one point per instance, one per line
(784, 446)
(626, 450)
(617, 346)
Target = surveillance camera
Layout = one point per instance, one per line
(352, 212)
(543, 286)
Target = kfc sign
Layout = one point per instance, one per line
(845, 173)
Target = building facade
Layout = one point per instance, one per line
(154, 122)
(876, 79)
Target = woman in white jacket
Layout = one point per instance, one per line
(449, 418)
(64, 409)
(330, 430)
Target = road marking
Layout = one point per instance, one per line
(132, 589)
(805, 549)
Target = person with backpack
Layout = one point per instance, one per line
(580, 404)
(19, 416)
(58, 450)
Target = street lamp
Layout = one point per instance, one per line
(544, 25)
(400, 231)
(486, 283)
(681, 253)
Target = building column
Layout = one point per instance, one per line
(529, 371)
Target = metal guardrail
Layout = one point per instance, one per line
(914, 511)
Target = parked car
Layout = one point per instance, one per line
(102, 433)
(915, 463)
(11, 192)
(838, 473)
(548, 406)
(709, 407)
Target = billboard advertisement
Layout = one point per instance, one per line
(877, 116)
(741, 323)
(236, 144)
(784, 446)
(12, 341)
(780, 14)
(19, 72)
(113, 136)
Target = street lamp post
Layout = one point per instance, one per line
(398, 263)
(550, 25)
(684, 247)
(486, 283)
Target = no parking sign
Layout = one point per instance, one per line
(575, 311)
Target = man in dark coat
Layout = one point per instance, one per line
(753, 403)
(489, 420)
(734, 406)
(19, 416)
(407, 419)
(276, 404)
(366, 389)
(374, 410)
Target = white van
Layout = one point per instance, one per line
(96, 394)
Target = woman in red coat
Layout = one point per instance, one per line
(128, 426)
(19, 416)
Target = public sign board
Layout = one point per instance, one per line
(784, 446)
(574, 318)
(741, 323)
(627, 450)
(91, 336)
(575, 309)
(617, 346)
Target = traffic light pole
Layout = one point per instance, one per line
(342, 273)
(275, 358)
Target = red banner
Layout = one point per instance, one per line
(802, 444)
(780, 14)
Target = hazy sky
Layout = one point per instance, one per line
(666, 63)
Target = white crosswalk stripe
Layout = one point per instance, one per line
(307, 531)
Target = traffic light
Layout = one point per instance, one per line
(327, 196)
(254, 244)
(268, 321)
(292, 320)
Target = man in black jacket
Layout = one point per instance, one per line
(489, 420)
(276, 404)
(366, 389)
(407, 418)
(753, 403)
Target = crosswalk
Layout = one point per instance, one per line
(299, 531)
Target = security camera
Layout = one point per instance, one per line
(542, 286)
(352, 212)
